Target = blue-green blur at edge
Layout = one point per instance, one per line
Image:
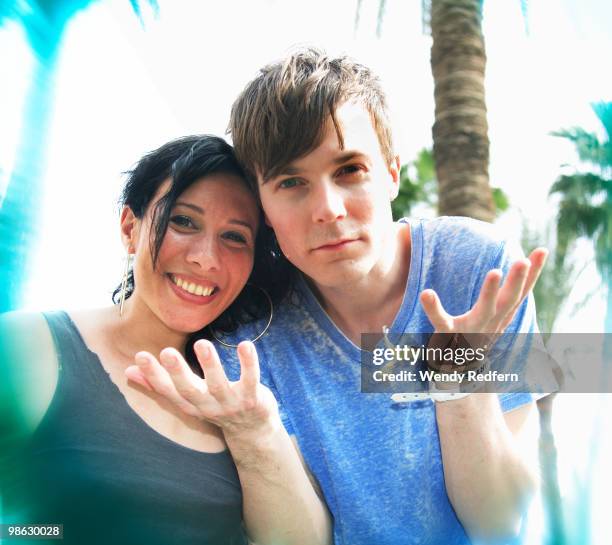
(44, 23)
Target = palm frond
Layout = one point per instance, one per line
(603, 253)
(585, 207)
(603, 110)
(417, 185)
(575, 220)
(588, 146)
(582, 187)
(426, 168)
(557, 279)
(502, 203)
(137, 8)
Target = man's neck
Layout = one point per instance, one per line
(367, 306)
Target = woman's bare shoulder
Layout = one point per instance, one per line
(29, 371)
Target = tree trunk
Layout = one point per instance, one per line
(551, 495)
(461, 142)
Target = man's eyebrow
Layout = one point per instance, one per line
(286, 171)
(291, 170)
(347, 156)
(200, 210)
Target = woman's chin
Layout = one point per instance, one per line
(184, 324)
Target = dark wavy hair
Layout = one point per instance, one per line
(185, 161)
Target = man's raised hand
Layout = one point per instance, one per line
(497, 303)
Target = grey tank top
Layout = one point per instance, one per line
(94, 466)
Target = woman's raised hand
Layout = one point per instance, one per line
(236, 407)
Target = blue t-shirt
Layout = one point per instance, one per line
(378, 462)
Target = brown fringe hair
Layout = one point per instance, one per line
(281, 115)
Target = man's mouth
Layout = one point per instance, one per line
(336, 244)
(192, 287)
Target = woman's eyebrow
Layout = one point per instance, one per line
(200, 210)
(243, 223)
(188, 205)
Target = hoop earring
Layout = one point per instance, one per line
(124, 281)
(276, 249)
(228, 345)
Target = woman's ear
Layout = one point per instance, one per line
(130, 226)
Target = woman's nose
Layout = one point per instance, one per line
(204, 252)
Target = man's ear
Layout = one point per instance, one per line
(394, 170)
(130, 225)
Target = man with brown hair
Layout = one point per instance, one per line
(313, 135)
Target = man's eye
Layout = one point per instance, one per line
(349, 169)
(289, 183)
(235, 237)
(182, 221)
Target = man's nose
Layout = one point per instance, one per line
(328, 203)
(204, 252)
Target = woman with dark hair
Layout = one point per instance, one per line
(111, 460)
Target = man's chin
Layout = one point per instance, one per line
(340, 275)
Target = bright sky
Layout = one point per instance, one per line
(122, 91)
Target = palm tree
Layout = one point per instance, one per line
(460, 130)
(461, 142)
(45, 23)
(585, 208)
(418, 187)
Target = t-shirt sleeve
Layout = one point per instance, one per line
(268, 380)
(512, 401)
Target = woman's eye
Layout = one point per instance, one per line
(235, 237)
(289, 183)
(182, 221)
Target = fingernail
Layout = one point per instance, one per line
(141, 359)
(204, 349)
(249, 349)
(495, 272)
(169, 360)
